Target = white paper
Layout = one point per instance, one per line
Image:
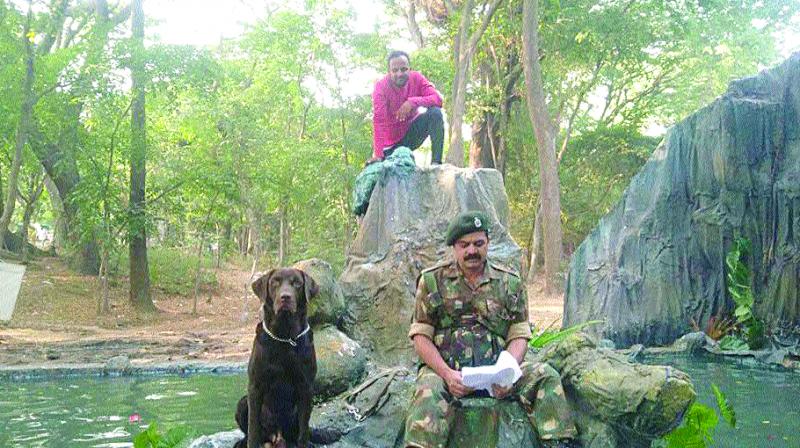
(505, 372)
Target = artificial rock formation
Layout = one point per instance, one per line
(617, 405)
(401, 233)
(732, 169)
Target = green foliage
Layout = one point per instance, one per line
(172, 270)
(739, 279)
(699, 424)
(549, 336)
(177, 437)
(733, 343)
(725, 408)
(695, 432)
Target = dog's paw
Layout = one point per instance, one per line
(277, 441)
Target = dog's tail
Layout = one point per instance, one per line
(325, 436)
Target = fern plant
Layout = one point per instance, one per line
(738, 283)
(699, 424)
(550, 336)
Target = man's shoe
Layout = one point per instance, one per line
(562, 443)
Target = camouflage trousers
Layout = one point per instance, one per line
(539, 391)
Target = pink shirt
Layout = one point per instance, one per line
(387, 99)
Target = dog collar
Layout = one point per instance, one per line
(290, 341)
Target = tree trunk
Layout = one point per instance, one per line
(199, 270)
(103, 305)
(455, 151)
(545, 139)
(283, 238)
(30, 207)
(59, 215)
(464, 47)
(26, 110)
(413, 26)
(482, 147)
(536, 246)
(139, 272)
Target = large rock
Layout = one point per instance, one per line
(732, 169)
(328, 307)
(638, 402)
(402, 233)
(341, 362)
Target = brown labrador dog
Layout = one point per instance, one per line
(283, 364)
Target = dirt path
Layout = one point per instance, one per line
(55, 321)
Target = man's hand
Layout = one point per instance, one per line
(454, 384)
(405, 111)
(500, 392)
(372, 160)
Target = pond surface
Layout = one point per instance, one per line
(95, 411)
(766, 401)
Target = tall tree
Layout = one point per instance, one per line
(545, 130)
(23, 126)
(464, 46)
(139, 271)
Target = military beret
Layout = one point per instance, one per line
(464, 223)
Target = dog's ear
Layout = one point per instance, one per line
(311, 288)
(261, 285)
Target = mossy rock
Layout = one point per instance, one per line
(341, 362)
(328, 306)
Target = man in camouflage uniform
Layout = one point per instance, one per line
(467, 311)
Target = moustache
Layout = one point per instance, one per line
(473, 257)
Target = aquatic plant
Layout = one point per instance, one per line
(717, 327)
(738, 283)
(699, 424)
(724, 406)
(733, 343)
(549, 336)
(177, 437)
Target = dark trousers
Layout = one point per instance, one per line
(430, 124)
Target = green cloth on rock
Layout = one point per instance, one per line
(401, 161)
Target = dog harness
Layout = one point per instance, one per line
(290, 341)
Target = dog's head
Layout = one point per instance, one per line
(285, 292)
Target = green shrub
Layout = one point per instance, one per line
(173, 270)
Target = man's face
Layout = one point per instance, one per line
(398, 71)
(470, 250)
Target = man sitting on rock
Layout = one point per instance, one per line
(467, 311)
(396, 119)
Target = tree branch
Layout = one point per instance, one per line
(487, 18)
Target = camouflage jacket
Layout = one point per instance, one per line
(470, 326)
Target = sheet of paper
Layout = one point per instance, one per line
(505, 372)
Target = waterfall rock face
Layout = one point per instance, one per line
(402, 233)
(732, 169)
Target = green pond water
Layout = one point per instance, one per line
(766, 401)
(95, 411)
